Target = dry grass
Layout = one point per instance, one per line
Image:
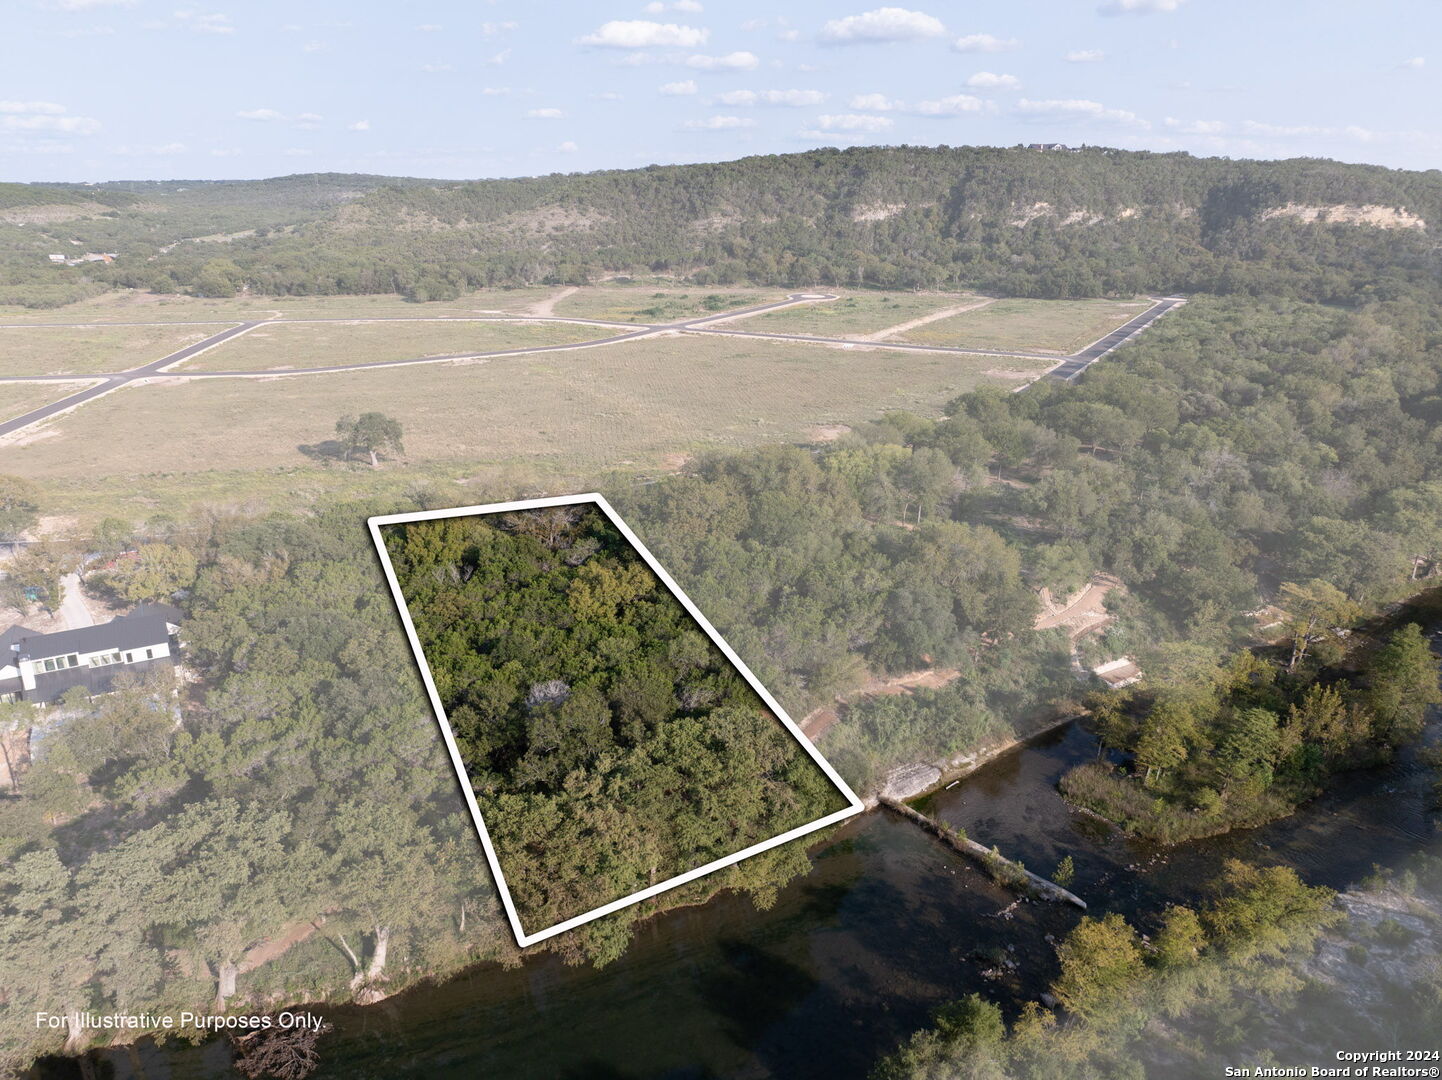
(16, 399)
(852, 315)
(85, 350)
(627, 406)
(135, 305)
(1057, 326)
(322, 344)
(649, 304)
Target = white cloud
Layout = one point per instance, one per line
(854, 122)
(498, 58)
(642, 34)
(435, 66)
(679, 89)
(883, 24)
(954, 105)
(1414, 62)
(736, 61)
(987, 80)
(720, 123)
(792, 98)
(259, 114)
(691, 7)
(609, 95)
(17, 121)
(545, 114)
(1084, 56)
(491, 29)
(876, 103)
(44, 108)
(568, 147)
(359, 125)
(1138, 7)
(315, 47)
(88, 5)
(308, 121)
(985, 43)
(1078, 109)
(166, 150)
(429, 28)
(1195, 127)
(201, 23)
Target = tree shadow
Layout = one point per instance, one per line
(326, 451)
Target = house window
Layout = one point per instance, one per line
(130, 658)
(150, 654)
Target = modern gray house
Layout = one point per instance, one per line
(38, 668)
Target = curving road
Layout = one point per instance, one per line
(1067, 369)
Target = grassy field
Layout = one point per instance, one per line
(322, 344)
(16, 399)
(854, 315)
(649, 304)
(84, 350)
(1059, 326)
(138, 306)
(632, 407)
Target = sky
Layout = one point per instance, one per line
(226, 89)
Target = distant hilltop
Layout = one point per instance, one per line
(1040, 219)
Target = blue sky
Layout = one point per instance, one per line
(156, 89)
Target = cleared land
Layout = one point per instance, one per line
(323, 344)
(139, 306)
(84, 350)
(638, 404)
(851, 316)
(646, 304)
(19, 398)
(1057, 326)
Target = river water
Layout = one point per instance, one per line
(851, 958)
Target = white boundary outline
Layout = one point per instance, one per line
(855, 805)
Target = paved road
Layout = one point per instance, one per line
(1067, 370)
(118, 379)
(1079, 362)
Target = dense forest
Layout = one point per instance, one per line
(1007, 221)
(609, 742)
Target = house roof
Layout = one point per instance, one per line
(169, 612)
(11, 637)
(130, 632)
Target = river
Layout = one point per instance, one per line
(851, 958)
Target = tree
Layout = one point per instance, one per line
(18, 507)
(1100, 960)
(35, 575)
(1248, 749)
(1180, 940)
(1313, 610)
(1402, 684)
(1263, 908)
(370, 433)
(156, 573)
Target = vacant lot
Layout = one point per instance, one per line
(324, 344)
(84, 350)
(141, 306)
(1056, 326)
(851, 316)
(632, 406)
(646, 304)
(16, 399)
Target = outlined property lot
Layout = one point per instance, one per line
(702, 771)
